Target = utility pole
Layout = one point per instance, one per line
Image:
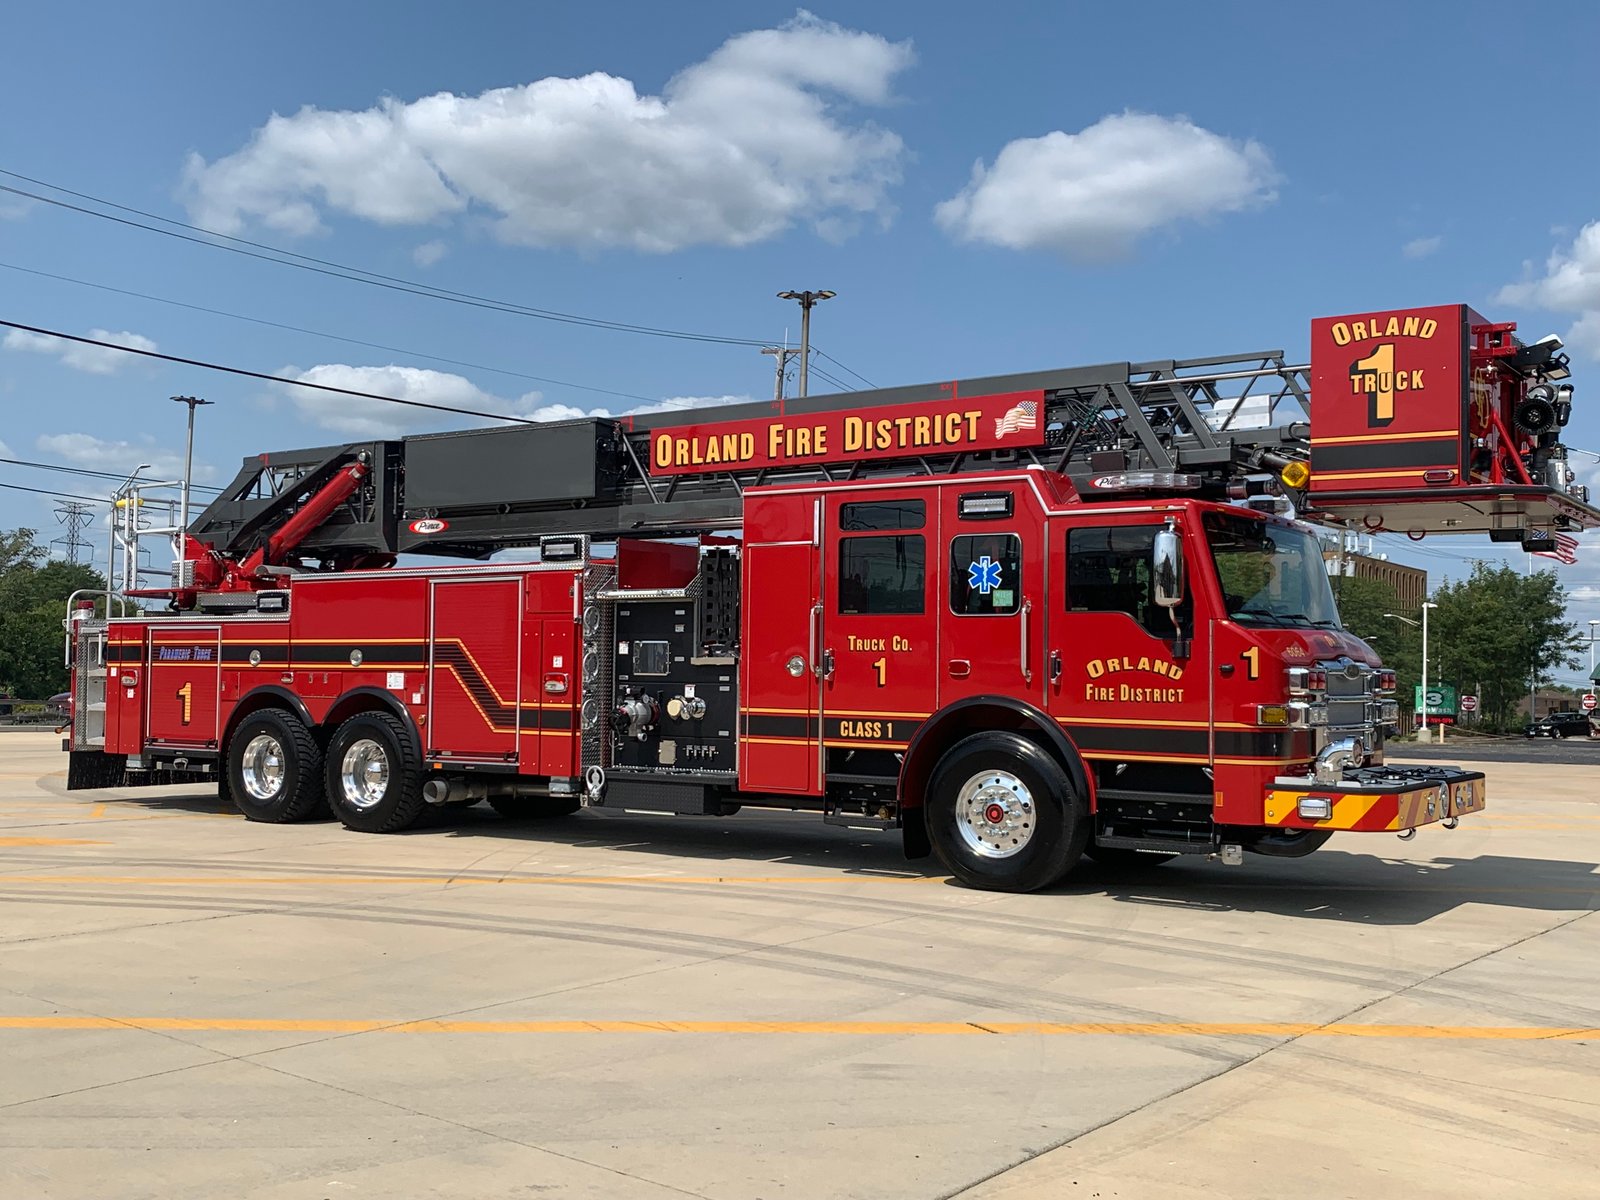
(181, 538)
(808, 301)
(75, 515)
(784, 353)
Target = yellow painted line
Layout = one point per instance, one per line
(41, 841)
(450, 880)
(1265, 1029)
(99, 810)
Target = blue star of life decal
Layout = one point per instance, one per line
(984, 575)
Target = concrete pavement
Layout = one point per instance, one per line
(193, 1006)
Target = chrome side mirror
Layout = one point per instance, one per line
(1167, 565)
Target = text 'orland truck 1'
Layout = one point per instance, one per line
(1019, 618)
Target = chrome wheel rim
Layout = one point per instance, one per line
(995, 814)
(261, 769)
(364, 773)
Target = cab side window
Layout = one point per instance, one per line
(1109, 570)
(985, 574)
(882, 574)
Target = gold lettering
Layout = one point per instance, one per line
(1341, 333)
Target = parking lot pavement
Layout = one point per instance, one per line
(193, 1006)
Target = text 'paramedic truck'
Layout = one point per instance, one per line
(1020, 618)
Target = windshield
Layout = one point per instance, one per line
(1270, 574)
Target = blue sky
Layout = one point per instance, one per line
(674, 165)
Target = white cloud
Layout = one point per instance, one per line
(1093, 194)
(738, 147)
(5, 451)
(14, 208)
(358, 417)
(1421, 247)
(429, 253)
(97, 360)
(1571, 284)
(355, 416)
(86, 450)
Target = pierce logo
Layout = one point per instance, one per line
(428, 525)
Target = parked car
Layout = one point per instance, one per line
(60, 705)
(1559, 725)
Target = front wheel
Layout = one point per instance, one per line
(374, 778)
(1003, 816)
(274, 768)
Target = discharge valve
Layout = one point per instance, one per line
(686, 708)
(640, 714)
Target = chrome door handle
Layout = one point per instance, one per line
(1027, 671)
(816, 636)
(960, 668)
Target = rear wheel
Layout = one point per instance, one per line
(274, 768)
(374, 779)
(1002, 814)
(535, 808)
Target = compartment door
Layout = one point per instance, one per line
(779, 721)
(183, 693)
(474, 670)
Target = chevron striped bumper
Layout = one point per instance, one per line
(1376, 800)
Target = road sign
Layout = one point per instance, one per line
(1589, 702)
(1469, 704)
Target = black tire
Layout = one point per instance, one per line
(535, 808)
(1041, 816)
(1123, 859)
(374, 779)
(274, 771)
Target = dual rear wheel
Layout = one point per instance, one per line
(369, 778)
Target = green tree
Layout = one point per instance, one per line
(1364, 605)
(33, 601)
(1499, 630)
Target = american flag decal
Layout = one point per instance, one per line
(1019, 417)
(1565, 549)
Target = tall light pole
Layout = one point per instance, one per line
(808, 301)
(1424, 624)
(182, 538)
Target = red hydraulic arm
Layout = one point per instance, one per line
(298, 527)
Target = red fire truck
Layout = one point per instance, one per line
(1021, 619)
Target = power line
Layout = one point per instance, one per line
(218, 312)
(210, 366)
(88, 473)
(322, 266)
(17, 487)
(290, 258)
(842, 367)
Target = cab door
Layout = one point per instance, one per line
(1132, 686)
(992, 593)
(880, 624)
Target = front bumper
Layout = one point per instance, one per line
(1376, 799)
